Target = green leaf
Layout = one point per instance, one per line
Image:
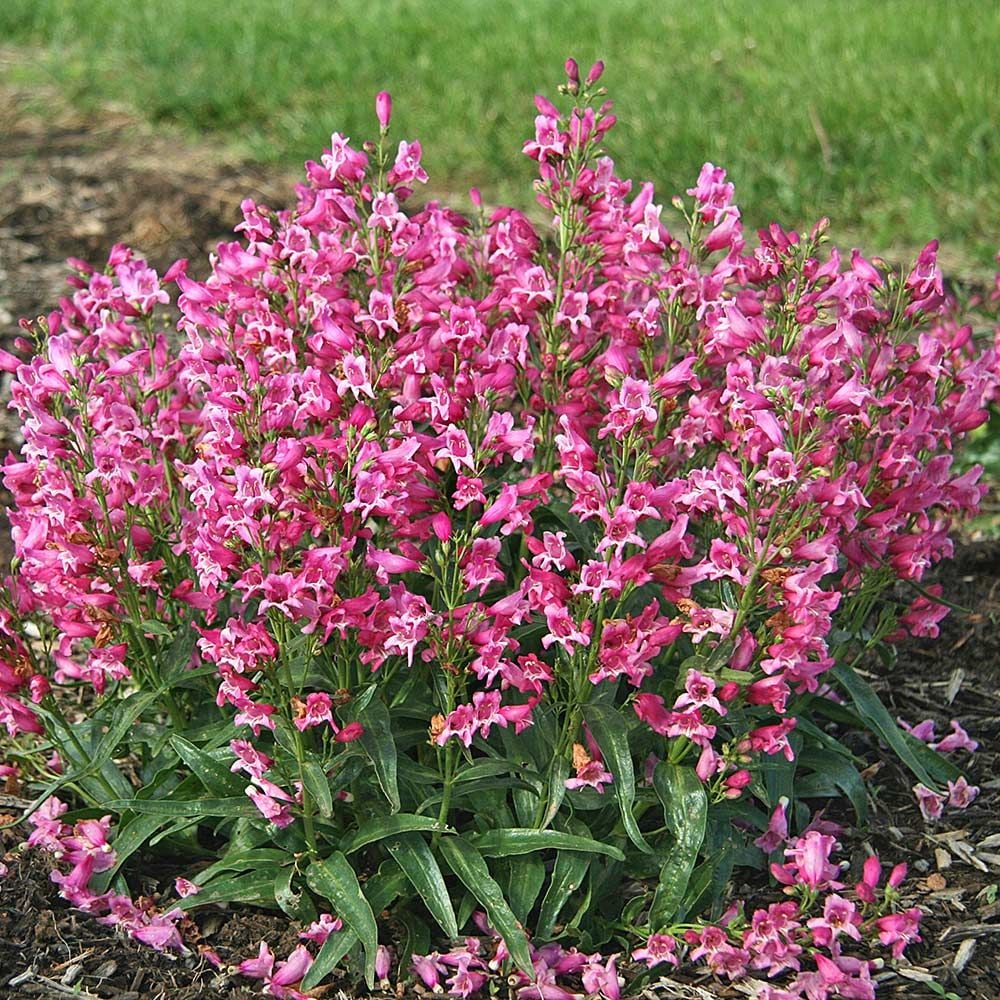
(508, 842)
(467, 863)
(129, 838)
(297, 905)
(176, 658)
(151, 627)
(212, 773)
(334, 879)
(685, 810)
(242, 861)
(608, 728)
(380, 890)
(488, 769)
(377, 741)
(525, 878)
(418, 935)
(316, 784)
(256, 886)
(238, 805)
(567, 876)
(836, 770)
(476, 790)
(414, 857)
(391, 826)
(926, 764)
(137, 830)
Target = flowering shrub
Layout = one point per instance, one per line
(451, 569)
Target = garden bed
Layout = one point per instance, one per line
(71, 188)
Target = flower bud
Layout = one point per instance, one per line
(441, 526)
(595, 72)
(351, 732)
(383, 109)
(728, 691)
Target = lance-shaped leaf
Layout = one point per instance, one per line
(685, 809)
(468, 864)
(567, 876)
(377, 741)
(926, 764)
(608, 728)
(412, 854)
(511, 841)
(392, 826)
(334, 879)
(380, 890)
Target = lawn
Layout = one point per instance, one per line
(880, 115)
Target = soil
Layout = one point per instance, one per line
(73, 184)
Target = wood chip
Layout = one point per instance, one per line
(917, 975)
(948, 836)
(993, 840)
(962, 850)
(942, 858)
(954, 684)
(935, 882)
(72, 974)
(962, 956)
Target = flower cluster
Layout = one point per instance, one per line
(467, 521)
(85, 847)
(784, 939)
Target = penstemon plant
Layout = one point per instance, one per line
(492, 578)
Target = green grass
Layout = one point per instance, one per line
(880, 114)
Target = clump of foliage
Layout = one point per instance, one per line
(483, 576)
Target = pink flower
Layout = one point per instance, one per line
(961, 794)
(957, 739)
(603, 979)
(930, 802)
(591, 774)
(809, 863)
(659, 948)
(899, 929)
(184, 888)
(839, 917)
(321, 928)
(699, 692)
(314, 711)
(349, 733)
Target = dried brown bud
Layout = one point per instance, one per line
(685, 605)
(436, 728)
(104, 637)
(780, 620)
(105, 556)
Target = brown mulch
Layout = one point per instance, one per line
(74, 185)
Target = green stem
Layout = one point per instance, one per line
(307, 802)
(449, 782)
